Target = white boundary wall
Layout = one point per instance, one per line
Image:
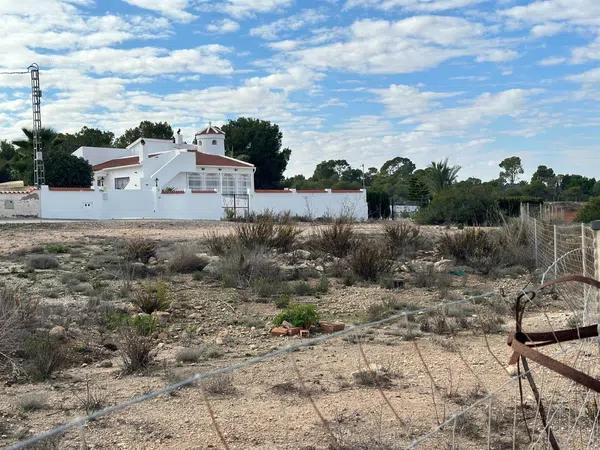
(65, 203)
(312, 204)
(90, 204)
(14, 204)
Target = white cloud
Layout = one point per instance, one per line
(552, 61)
(240, 9)
(147, 61)
(404, 101)
(173, 9)
(285, 45)
(590, 52)
(408, 45)
(588, 77)
(295, 22)
(547, 29)
(295, 78)
(223, 26)
(413, 5)
(573, 12)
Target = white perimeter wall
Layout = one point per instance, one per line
(19, 204)
(140, 204)
(312, 204)
(77, 204)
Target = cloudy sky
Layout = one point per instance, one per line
(362, 80)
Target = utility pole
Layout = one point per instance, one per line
(363, 177)
(39, 177)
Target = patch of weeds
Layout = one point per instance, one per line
(92, 399)
(135, 350)
(337, 239)
(45, 355)
(374, 375)
(56, 248)
(387, 308)
(283, 301)
(323, 285)
(152, 297)
(408, 331)
(189, 355)
(240, 267)
(266, 288)
(299, 315)
(139, 249)
(288, 388)
(489, 323)
(369, 260)
(221, 384)
(32, 402)
(402, 238)
(184, 260)
(349, 279)
(42, 262)
(302, 288)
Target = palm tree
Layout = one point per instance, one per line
(22, 161)
(441, 175)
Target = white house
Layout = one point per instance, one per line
(170, 179)
(171, 165)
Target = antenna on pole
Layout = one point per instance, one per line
(39, 176)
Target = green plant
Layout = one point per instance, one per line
(184, 260)
(368, 261)
(42, 262)
(337, 239)
(283, 301)
(140, 249)
(265, 287)
(45, 355)
(590, 211)
(323, 285)
(144, 325)
(152, 297)
(135, 350)
(302, 288)
(401, 238)
(299, 315)
(56, 248)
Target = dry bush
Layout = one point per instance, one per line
(140, 249)
(220, 244)
(184, 260)
(430, 279)
(337, 239)
(135, 350)
(16, 313)
(45, 355)
(266, 233)
(374, 375)
(476, 248)
(195, 354)
(369, 260)
(387, 308)
(220, 384)
(241, 267)
(402, 238)
(33, 401)
(517, 250)
(42, 262)
(92, 400)
(152, 297)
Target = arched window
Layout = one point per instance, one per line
(214, 142)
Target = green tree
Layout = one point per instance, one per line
(512, 169)
(147, 129)
(22, 162)
(398, 167)
(418, 188)
(441, 175)
(7, 153)
(331, 171)
(545, 175)
(66, 170)
(91, 137)
(258, 142)
(590, 211)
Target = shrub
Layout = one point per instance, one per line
(42, 262)
(429, 278)
(267, 234)
(140, 249)
(476, 248)
(283, 301)
(401, 238)
(387, 308)
(240, 267)
(299, 315)
(369, 260)
(135, 350)
(336, 239)
(15, 314)
(590, 211)
(32, 402)
(463, 204)
(323, 285)
(221, 384)
(93, 399)
(302, 288)
(152, 297)
(220, 244)
(185, 260)
(144, 325)
(56, 248)
(265, 287)
(286, 237)
(45, 355)
(195, 354)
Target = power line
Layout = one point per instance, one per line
(14, 73)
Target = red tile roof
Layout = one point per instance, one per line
(211, 129)
(119, 162)
(206, 159)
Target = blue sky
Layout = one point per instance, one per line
(362, 80)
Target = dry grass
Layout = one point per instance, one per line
(42, 262)
(152, 297)
(337, 239)
(135, 350)
(369, 260)
(402, 238)
(45, 355)
(184, 260)
(221, 384)
(140, 249)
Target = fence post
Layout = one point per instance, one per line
(596, 230)
(555, 252)
(535, 242)
(583, 252)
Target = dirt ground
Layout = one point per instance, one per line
(275, 403)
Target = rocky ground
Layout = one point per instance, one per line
(382, 387)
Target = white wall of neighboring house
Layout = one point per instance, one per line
(97, 155)
(132, 172)
(19, 204)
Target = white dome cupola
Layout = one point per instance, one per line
(211, 140)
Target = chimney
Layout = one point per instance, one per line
(179, 137)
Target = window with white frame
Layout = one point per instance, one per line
(196, 181)
(228, 183)
(212, 181)
(243, 183)
(121, 182)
